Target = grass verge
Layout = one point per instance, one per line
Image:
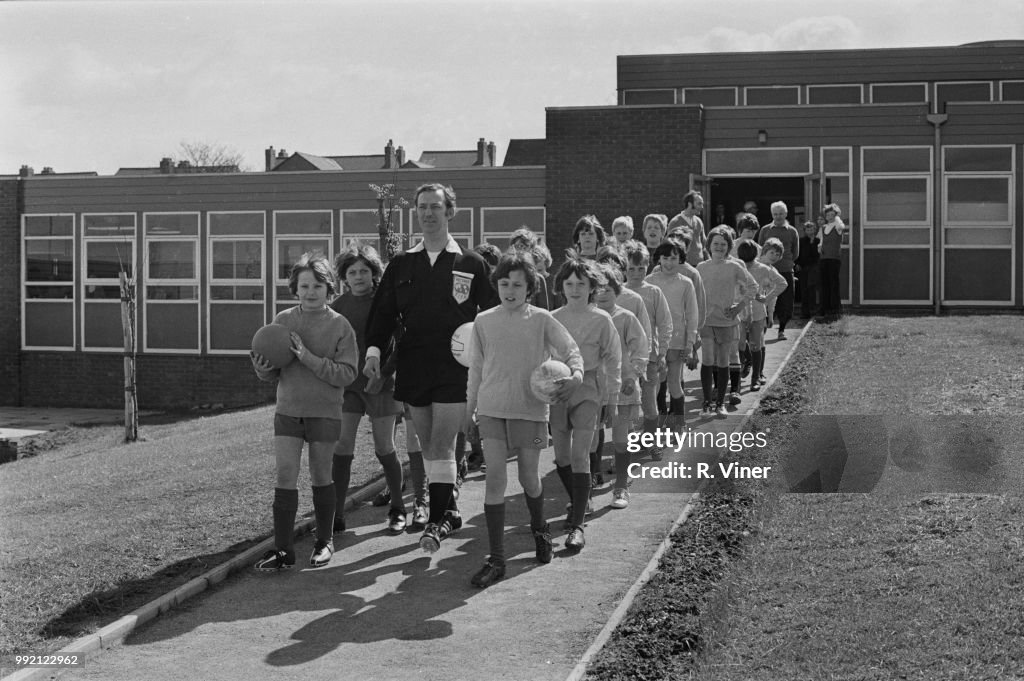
(93, 528)
(914, 580)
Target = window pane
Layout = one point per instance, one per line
(93, 292)
(979, 236)
(772, 95)
(359, 223)
(172, 293)
(230, 224)
(103, 325)
(236, 293)
(49, 225)
(981, 200)
(1013, 91)
(897, 200)
(842, 94)
(758, 161)
(899, 94)
(838, 191)
(962, 92)
(232, 325)
(897, 160)
(711, 96)
(172, 260)
(49, 292)
(836, 160)
(109, 225)
(896, 236)
(49, 325)
(968, 159)
(104, 259)
(318, 222)
(237, 260)
(290, 250)
(49, 260)
(172, 327)
(634, 97)
(179, 224)
(503, 222)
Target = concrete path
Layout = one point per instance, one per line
(382, 609)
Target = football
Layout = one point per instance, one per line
(460, 343)
(274, 342)
(544, 379)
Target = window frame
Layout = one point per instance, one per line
(194, 282)
(674, 91)
(1002, 96)
(132, 243)
(822, 86)
(212, 281)
(734, 89)
(277, 238)
(343, 218)
(25, 284)
(924, 85)
(796, 88)
(935, 92)
(483, 221)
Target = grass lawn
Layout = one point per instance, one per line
(94, 528)
(918, 576)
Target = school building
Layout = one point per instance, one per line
(919, 147)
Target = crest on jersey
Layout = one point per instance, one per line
(461, 282)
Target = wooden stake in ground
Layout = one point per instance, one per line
(131, 406)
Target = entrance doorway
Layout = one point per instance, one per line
(728, 194)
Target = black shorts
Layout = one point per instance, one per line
(420, 382)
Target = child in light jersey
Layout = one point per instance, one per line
(769, 283)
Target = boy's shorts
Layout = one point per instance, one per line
(582, 416)
(717, 345)
(310, 429)
(675, 355)
(515, 433)
(375, 406)
(630, 392)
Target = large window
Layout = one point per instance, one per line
(783, 95)
(171, 290)
(108, 248)
(362, 225)
(297, 232)
(48, 276)
(710, 96)
(236, 280)
(898, 93)
(835, 94)
(498, 223)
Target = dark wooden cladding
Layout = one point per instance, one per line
(988, 123)
(818, 125)
(978, 62)
(497, 186)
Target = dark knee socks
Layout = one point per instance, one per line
(756, 359)
(723, 383)
(341, 473)
(286, 505)
(535, 505)
(565, 475)
(393, 475)
(595, 454)
(621, 467)
(441, 500)
(494, 515)
(734, 379)
(323, 510)
(418, 473)
(580, 497)
(707, 381)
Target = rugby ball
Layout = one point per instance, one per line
(274, 343)
(544, 379)
(461, 343)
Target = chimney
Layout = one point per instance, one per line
(492, 153)
(481, 152)
(166, 166)
(268, 157)
(389, 154)
(282, 154)
(47, 170)
(400, 157)
(26, 171)
(185, 166)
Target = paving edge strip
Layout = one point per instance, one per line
(615, 619)
(114, 633)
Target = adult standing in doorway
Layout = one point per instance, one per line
(431, 289)
(790, 238)
(693, 206)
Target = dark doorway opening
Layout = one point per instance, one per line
(728, 194)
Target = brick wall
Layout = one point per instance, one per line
(164, 381)
(613, 161)
(10, 285)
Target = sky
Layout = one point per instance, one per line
(96, 86)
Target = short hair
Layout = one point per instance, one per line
(515, 259)
(746, 251)
(660, 218)
(748, 221)
(810, 223)
(834, 207)
(773, 244)
(359, 252)
(489, 252)
(449, 193)
(669, 247)
(589, 222)
(636, 253)
(780, 204)
(611, 255)
(523, 237)
(317, 263)
(582, 268)
(541, 256)
(730, 230)
(724, 233)
(690, 197)
(623, 220)
(681, 233)
(613, 277)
